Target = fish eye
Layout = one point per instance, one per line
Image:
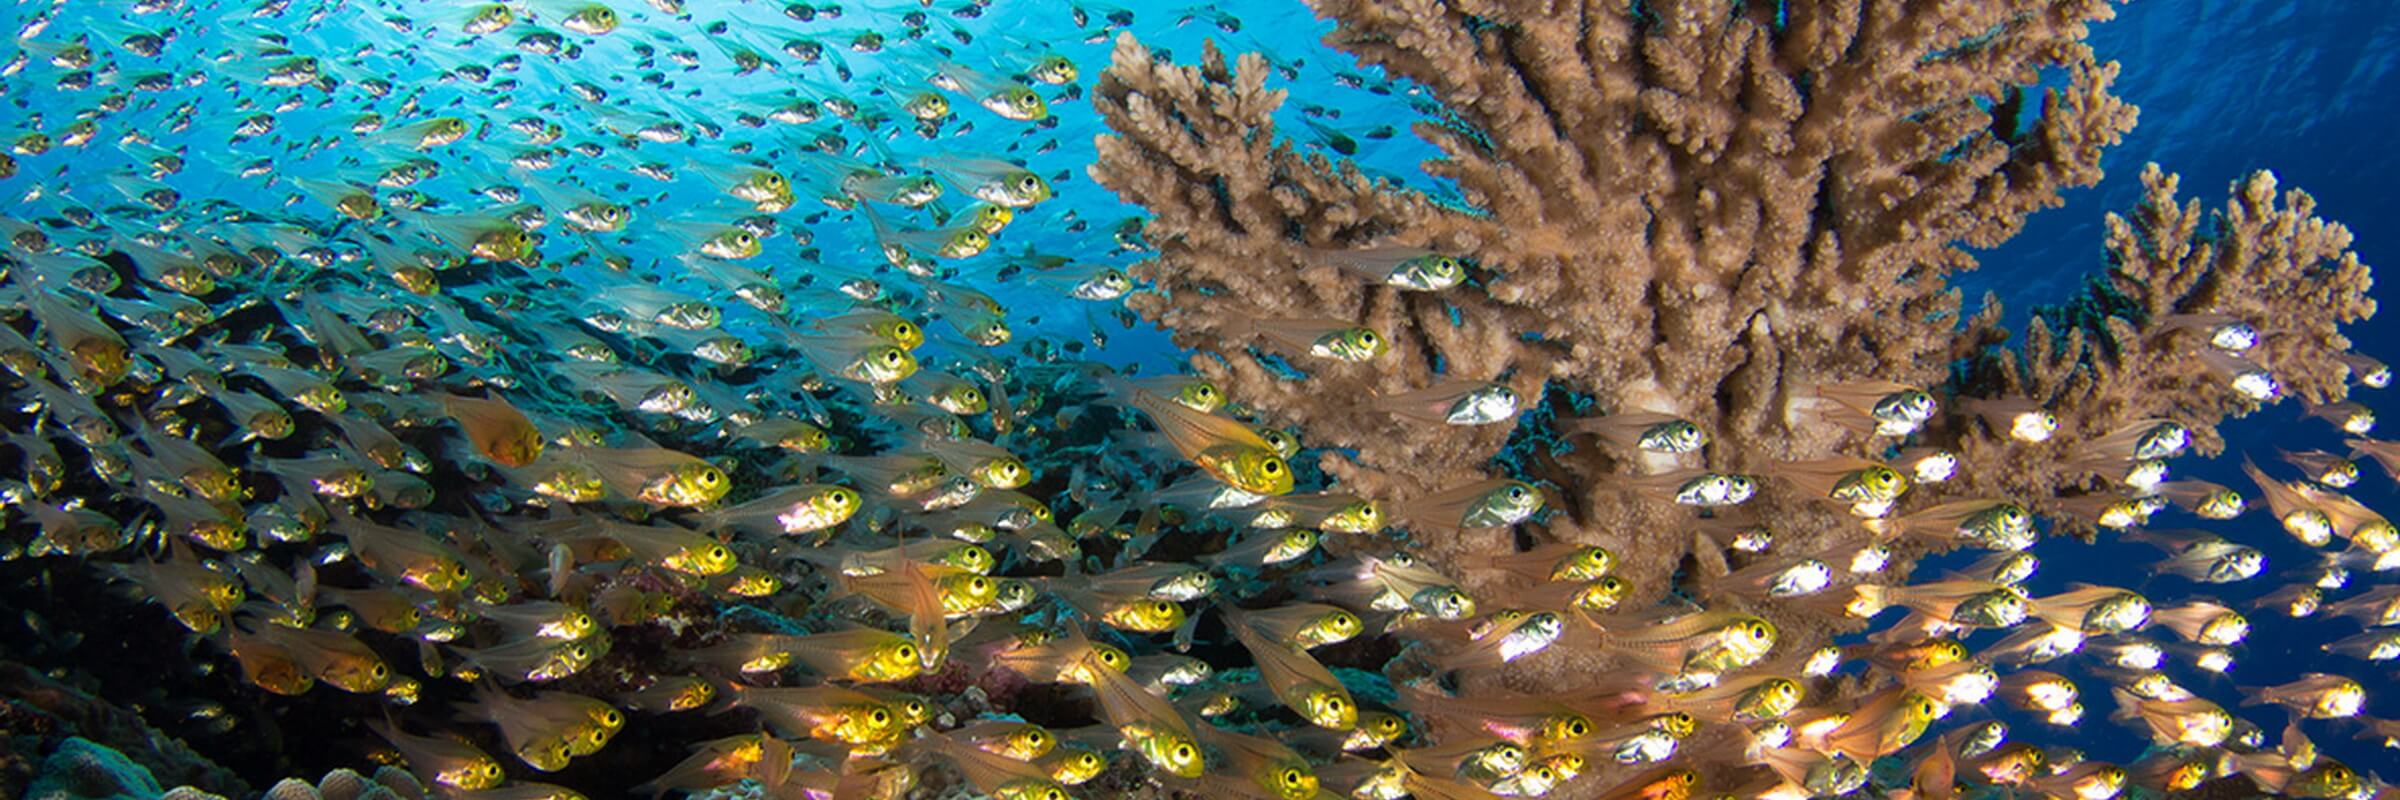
(379, 671)
(1183, 752)
(1758, 630)
(1578, 728)
(879, 716)
(718, 554)
(1368, 338)
(1271, 467)
(1516, 493)
(1029, 183)
(1291, 777)
(906, 652)
(891, 357)
(612, 718)
(978, 585)
(490, 769)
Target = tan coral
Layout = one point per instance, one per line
(1708, 215)
(2261, 258)
(1699, 214)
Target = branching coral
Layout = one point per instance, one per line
(2120, 359)
(1723, 214)
(1699, 214)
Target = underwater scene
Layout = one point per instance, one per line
(1047, 399)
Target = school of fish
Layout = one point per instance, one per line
(548, 368)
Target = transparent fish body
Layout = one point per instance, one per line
(443, 762)
(631, 388)
(657, 475)
(1006, 98)
(792, 510)
(2095, 609)
(1224, 448)
(1489, 503)
(860, 358)
(560, 477)
(96, 352)
(407, 555)
(827, 712)
(1301, 682)
(1708, 642)
(1649, 432)
(1696, 488)
(1407, 268)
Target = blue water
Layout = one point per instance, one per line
(2306, 90)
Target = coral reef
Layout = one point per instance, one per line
(81, 770)
(42, 718)
(388, 783)
(542, 409)
(1721, 217)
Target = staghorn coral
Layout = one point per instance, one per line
(2109, 358)
(1710, 215)
(1702, 216)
